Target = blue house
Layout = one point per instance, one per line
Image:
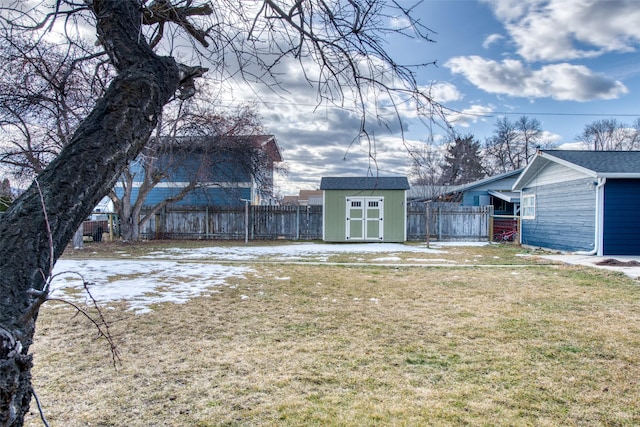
(224, 171)
(581, 201)
(494, 190)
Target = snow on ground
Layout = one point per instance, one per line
(290, 252)
(140, 283)
(164, 276)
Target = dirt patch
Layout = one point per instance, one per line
(618, 263)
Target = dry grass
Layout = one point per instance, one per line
(339, 345)
(494, 254)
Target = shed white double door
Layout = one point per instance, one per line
(365, 218)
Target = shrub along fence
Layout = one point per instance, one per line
(443, 222)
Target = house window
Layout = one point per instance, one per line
(373, 204)
(528, 207)
(356, 204)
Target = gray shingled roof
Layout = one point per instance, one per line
(597, 164)
(601, 162)
(364, 183)
(487, 180)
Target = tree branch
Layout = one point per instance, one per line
(162, 11)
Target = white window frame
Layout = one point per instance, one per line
(528, 207)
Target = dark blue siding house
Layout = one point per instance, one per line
(222, 180)
(581, 201)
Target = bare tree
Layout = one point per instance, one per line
(530, 135)
(45, 91)
(343, 39)
(199, 145)
(426, 170)
(512, 144)
(502, 150)
(610, 134)
(48, 88)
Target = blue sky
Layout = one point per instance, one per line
(548, 60)
(566, 63)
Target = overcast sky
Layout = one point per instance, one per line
(565, 62)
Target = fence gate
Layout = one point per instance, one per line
(364, 218)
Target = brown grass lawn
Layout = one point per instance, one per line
(343, 345)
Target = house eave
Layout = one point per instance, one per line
(508, 197)
(619, 175)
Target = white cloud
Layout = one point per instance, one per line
(468, 116)
(399, 22)
(491, 40)
(563, 82)
(550, 139)
(576, 145)
(553, 30)
(443, 92)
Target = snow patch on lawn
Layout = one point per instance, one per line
(165, 276)
(140, 284)
(290, 252)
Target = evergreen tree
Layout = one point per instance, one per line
(462, 163)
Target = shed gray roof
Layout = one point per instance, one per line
(598, 164)
(364, 183)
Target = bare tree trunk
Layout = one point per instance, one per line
(86, 169)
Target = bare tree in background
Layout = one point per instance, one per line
(45, 91)
(339, 44)
(512, 144)
(530, 135)
(612, 135)
(197, 144)
(426, 171)
(502, 151)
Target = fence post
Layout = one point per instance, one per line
(252, 220)
(206, 222)
(298, 222)
(427, 205)
(246, 221)
(490, 230)
(439, 223)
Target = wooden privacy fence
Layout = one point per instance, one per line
(448, 222)
(251, 223)
(444, 222)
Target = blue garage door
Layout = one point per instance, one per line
(622, 217)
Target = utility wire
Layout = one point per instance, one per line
(463, 113)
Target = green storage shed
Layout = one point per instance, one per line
(364, 209)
